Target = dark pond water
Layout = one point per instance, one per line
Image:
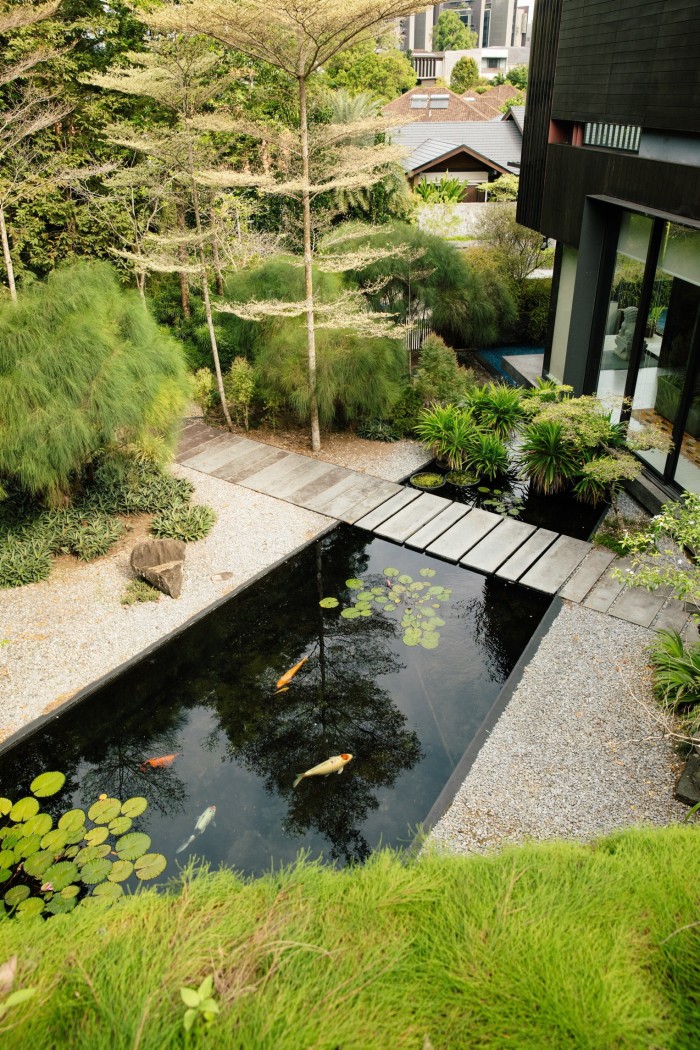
(406, 714)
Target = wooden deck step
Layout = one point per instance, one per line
(451, 514)
(455, 543)
(411, 518)
(209, 455)
(497, 546)
(556, 565)
(238, 469)
(386, 510)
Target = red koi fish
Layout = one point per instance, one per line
(158, 763)
(288, 675)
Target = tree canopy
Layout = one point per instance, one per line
(464, 74)
(451, 34)
(384, 73)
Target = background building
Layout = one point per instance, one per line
(611, 170)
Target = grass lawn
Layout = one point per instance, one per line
(544, 946)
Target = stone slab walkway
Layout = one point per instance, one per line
(477, 539)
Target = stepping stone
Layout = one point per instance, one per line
(606, 590)
(407, 521)
(377, 494)
(277, 478)
(527, 555)
(587, 574)
(241, 453)
(351, 490)
(240, 468)
(452, 513)
(493, 550)
(673, 616)
(455, 543)
(556, 565)
(194, 434)
(385, 510)
(211, 455)
(636, 605)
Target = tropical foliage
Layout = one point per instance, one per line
(676, 676)
(658, 552)
(448, 190)
(383, 71)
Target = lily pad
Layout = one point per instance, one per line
(95, 836)
(5, 874)
(72, 820)
(15, 895)
(89, 853)
(430, 640)
(37, 864)
(24, 809)
(120, 825)
(121, 870)
(55, 840)
(435, 621)
(365, 612)
(95, 871)
(132, 846)
(104, 810)
(134, 807)
(70, 891)
(412, 636)
(47, 784)
(60, 905)
(5, 806)
(38, 825)
(417, 587)
(30, 908)
(61, 874)
(329, 603)
(111, 890)
(378, 590)
(391, 572)
(150, 866)
(350, 614)
(354, 585)
(7, 858)
(426, 572)
(28, 845)
(405, 578)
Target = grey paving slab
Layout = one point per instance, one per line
(387, 509)
(197, 437)
(587, 575)
(238, 470)
(606, 590)
(241, 453)
(673, 616)
(376, 495)
(636, 605)
(497, 546)
(319, 484)
(280, 479)
(411, 518)
(452, 513)
(527, 555)
(211, 455)
(556, 564)
(454, 543)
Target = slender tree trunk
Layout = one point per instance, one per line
(308, 272)
(215, 255)
(7, 257)
(207, 300)
(182, 255)
(141, 285)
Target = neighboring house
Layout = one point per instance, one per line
(435, 103)
(472, 151)
(611, 170)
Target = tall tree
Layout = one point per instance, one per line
(465, 74)
(451, 34)
(297, 37)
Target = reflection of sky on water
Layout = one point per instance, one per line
(406, 714)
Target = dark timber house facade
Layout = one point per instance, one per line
(611, 171)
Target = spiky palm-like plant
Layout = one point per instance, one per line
(497, 408)
(547, 459)
(447, 430)
(676, 675)
(486, 455)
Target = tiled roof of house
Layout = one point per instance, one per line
(499, 142)
(429, 103)
(518, 115)
(484, 108)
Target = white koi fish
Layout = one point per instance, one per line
(324, 769)
(203, 821)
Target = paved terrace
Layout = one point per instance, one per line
(477, 539)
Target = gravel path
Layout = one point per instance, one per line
(577, 751)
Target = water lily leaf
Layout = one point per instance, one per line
(38, 825)
(110, 890)
(95, 871)
(363, 596)
(37, 864)
(5, 874)
(7, 858)
(378, 590)
(329, 603)
(72, 820)
(365, 612)
(513, 513)
(426, 572)
(412, 636)
(47, 784)
(430, 640)
(71, 852)
(134, 807)
(350, 614)
(150, 866)
(417, 586)
(28, 845)
(120, 825)
(96, 835)
(104, 810)
(30, 908)
(70, 891)
(89, 853)
(55, 840)
(363, 603)
(121, 870)
(24, 809)
(435, 621)
(435, 590)
(483, 488)
(398, 589)
(60, 905)
(391, 572)
(132, 846)
(61, 874)
(5, 806)
(354, 585)
(16, 894)
(405, 578)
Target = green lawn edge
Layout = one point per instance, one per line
(546, 945)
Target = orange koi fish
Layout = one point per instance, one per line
(158, 763)
(288, 675)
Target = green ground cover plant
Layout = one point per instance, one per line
(656, 551)
(137, 591)
(556, 944)
(675, 675)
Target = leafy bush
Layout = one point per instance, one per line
(239, 387)
(496, 407)
(139, 591)
(655, 561)
(439, 377)
(184, 523)
(47, 870)
(533, 307)
(547, 458)
(676, 676)
(83, 368)
(405, 411)
(128, 487)
(447, 430)
(23, 559)
(448, 190)
(203, 388)
(377, 430)
(485, 455)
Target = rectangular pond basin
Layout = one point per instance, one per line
(400, 673)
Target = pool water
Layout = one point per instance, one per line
(406, 713)
(492, 359)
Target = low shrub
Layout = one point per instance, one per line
(497, 408)
(139, 591)
(129, 487)
(23, 559)
(184, 523)
(378, 430)
(239, 388)
(203, 388)
(439, 377)
(406, 410)
(485, 455)
(676, 676)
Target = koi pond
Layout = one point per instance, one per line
(401, 657)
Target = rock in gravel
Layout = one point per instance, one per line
(166, 577)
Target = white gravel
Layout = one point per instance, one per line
(577, 752)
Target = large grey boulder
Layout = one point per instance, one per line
(160, 563)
